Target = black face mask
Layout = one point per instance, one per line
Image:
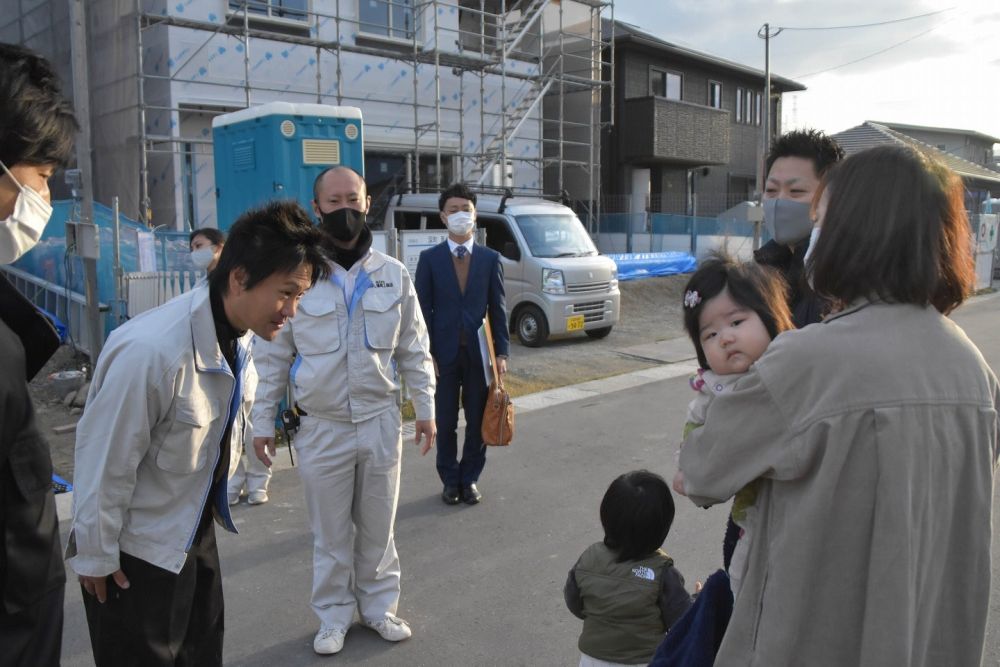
(343, 224)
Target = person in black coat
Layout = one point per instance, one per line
(36, 137)
(796, 165)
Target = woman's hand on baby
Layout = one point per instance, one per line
(678, 483)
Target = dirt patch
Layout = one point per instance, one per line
(650, 312)
(48, 397)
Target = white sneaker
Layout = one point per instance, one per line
(329, 641)
(257, 497)
(391, 628)
(234, 500)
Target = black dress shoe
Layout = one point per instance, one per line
(471, 495)
(450, 495)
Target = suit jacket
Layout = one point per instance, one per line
(447, 311)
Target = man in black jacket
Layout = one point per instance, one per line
(36, 137)
(796, 164)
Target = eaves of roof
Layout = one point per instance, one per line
(870, 134)
(626, 34)
(901, 127)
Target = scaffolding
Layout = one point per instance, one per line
(545, 55)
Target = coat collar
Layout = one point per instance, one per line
(853, 307)
(207, 354)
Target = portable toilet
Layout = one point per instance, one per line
(276, 150)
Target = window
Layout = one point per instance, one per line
(388, 18)
(284, 9)
(715, 94)
(748, 106)
(664, 84)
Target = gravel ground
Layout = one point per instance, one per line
(650, 312)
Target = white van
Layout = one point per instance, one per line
(555, 280)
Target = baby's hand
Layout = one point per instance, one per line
(678, 483)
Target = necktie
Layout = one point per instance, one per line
(460, 252)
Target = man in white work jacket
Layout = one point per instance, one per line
(354, 335)
(155, 446)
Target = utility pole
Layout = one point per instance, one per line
(766, 34)
(85, 235)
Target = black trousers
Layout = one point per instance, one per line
(33, 637)
(162, 618)
(461, 381)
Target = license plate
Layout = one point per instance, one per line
(574, 323)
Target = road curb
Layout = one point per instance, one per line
(522, 405)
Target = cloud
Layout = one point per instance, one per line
(942, 77)
(730, 30)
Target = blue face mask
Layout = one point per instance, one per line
(787, 221)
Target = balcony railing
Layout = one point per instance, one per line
(659, 130)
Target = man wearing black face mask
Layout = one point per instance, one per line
(796, 164)
(354, 335)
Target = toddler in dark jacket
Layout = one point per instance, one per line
(625, 588)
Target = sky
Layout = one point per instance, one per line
(941, 70)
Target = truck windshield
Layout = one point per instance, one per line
(555, 235)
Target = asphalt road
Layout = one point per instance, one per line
(483, 585)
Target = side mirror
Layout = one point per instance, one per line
(511, 251)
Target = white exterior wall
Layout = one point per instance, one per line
(208, 71)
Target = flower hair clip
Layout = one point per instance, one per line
(691, 299)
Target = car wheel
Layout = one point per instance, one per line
(532, 327)
(598, 333)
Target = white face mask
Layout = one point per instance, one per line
(202, 257)
(813, 237)
(460, 223)
(20, 232)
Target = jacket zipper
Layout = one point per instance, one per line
(208, 489)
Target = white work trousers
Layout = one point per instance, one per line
(350, 476)
(251, 474)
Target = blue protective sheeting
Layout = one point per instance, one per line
(57, 323)
(632, 266)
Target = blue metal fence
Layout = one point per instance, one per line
(659, 232)
(49, 260)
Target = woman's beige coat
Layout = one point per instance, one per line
(876, 435)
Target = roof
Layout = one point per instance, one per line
(626, 33)
(286, 109)
(870, 134)
(900, 127)
(484, 203)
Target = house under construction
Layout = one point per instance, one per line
(491, 92)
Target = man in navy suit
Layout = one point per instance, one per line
(458, 282)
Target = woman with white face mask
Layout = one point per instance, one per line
(36, 137)
(206, 247)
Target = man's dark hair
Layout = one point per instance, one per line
(278, 237)
(460, 190)
(895, 229)
(755, 286)
(808, 144)
(37, 125)
(214, 236)
(636, 512)
(319, 177)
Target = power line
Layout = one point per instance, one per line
(867, 25)
(872, 55)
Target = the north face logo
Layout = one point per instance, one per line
(643, 572)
